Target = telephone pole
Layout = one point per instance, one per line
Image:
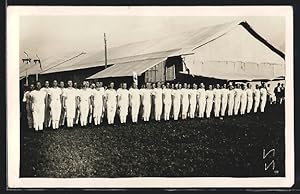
(105, 52)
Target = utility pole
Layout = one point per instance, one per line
(39, 62)
(26, 61)
(105, 52)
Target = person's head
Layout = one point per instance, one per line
(158, 85)
(257, 86)
(87, 84)
(185, 85)
(243, 86)
(47, 84)
(38, 85)
(172, 85)
(153, 86)
(111, 85)
(202, 85)
(224, 86)
(163, 86)
(61, 84)
(268, 85)
(249, 85)
(176, 86)
(75, 85)
(70, 83)
(238, 86)
(148, 85)
(218, 86)
(93, 85)
(134, 85)
(195, 86)
(167, 85)
(55, 83)
(124, 85)
(143, 86)
(179, 86)
(231, 87)
(210, 87)
(263, 84)
(189, 86)
(84, 84)
(282, 85)
(31, 87)
(98, 84)
(278, 84)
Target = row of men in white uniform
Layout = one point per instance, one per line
(55, 104)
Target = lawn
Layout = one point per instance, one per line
(232, 147)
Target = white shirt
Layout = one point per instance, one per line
(209, 95)
(256, 94)
(243, 95)
(134, 94)
(146, 93)
(157, 92)
(193, 95)
(55, 94)
(202, 94)
(98, 94)
(111, 95)
(263, 92)
(167, 95)
(177, 94)
(123, 96)
(224, 93)
(185, 94)
(38, 96)
(217, 94)
(249, 94)
(70, 94)
(84, 95)
(26, 97)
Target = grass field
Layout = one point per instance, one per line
(230, 147)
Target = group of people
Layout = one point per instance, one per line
(46, 106)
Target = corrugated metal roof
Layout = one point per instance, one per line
(127, 68)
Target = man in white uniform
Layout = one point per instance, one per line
(209, 100)
(217, 100)
(26, 99)
(224, 99)
(249, 92)
(111, 103)
(146, 100)
(134, 101)
(55, 104)
(185, 101)
(193, 100)
(167, 99)
(98, 95)
(69, 103)
(158, 101)
(123, 100)
(176, 93)
(37, 101)
(77, 109)
(243, 100)
(90, 89)
(84, 103)
(256, 98)
(63, 113)
(263, 97)
(47, 121)
(237, 99)
(201, 100)
(231, 95)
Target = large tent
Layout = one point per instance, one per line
(230, 51)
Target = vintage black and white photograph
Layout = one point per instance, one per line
(157, 95)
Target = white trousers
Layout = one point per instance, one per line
(38, 113)
(135, 107)
(123, 112)
(217, 106)
(185, 107)
(256, 105)
(193, 104)
(249, 105)
(167, 110)
(176, 109)
(158, 110)
(55, 113)
(147, 110)
(243, 106)
(84, 111)
(223, 106)
(98, 111)
(230, 107)
(263, 104)
(237, 104)
(209, 105)
(202, 104)
(111, 112)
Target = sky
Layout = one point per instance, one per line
(54, 35)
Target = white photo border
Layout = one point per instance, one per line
(13, 106)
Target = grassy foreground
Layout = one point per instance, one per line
(231, 147)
